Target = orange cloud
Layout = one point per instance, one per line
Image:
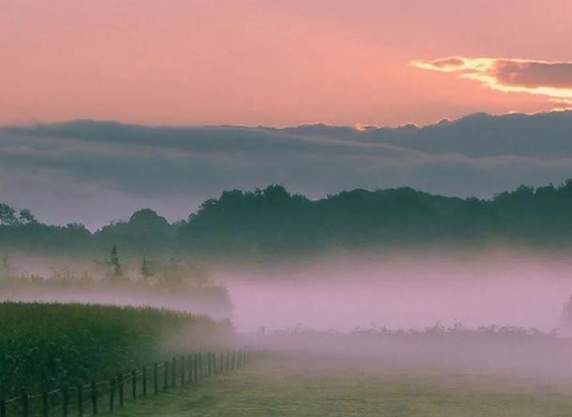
(552, 80)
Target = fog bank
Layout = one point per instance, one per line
(402, 292)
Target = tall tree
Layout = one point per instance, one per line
(146, 269)
(26, 217)
(115, 264)
(7, 215)
(5, 266)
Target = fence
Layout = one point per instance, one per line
(105, 396)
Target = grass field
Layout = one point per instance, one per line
(442, 373)
(281, 385)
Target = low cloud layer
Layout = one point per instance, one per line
(95, 172)
(550, 79)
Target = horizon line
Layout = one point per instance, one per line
(357, 126)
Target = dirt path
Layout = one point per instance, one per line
(282, 386)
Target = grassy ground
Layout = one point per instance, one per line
(287, 386)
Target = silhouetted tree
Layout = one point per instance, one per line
(5, 265)
(274, 224)
(26, 217)
(146, 269)
(115, 264)
(7, 215)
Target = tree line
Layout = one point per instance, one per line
(273, 223)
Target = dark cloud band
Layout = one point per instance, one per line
(95, 172)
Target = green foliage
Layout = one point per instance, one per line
(193, 290)
(116, 271)
(7, 215)
(43, 346)
(145, 232)
(272, 223)
(26, 217)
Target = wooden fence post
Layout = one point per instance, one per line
(121, 385)
(156, 378)
(111, 395)
(80, 401)
(205, 361)
(93, 398)
(134, 384)
(166, 376)
(182, 371)
(193, 370)
(65, 400)
(207, 365)
(25, 405)
(45, 405)
(144, 381)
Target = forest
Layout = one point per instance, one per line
(273, 223)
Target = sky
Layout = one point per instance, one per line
(280, 63)
(202, 64)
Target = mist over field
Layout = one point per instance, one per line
(409, 293)
(301, 208)
(341, 292)
(447, 319)
(406, 285)
(405, 291)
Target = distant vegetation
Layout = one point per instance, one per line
(44, 346)
(437, 332)
(182, 287)
(272, 223)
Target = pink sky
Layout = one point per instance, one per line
(269, 62)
